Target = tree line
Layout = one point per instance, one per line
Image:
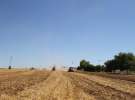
(122, 61)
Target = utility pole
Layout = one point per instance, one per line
(72, 63)
(10, 62)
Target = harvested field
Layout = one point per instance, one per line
(13, 82)
(60, 85)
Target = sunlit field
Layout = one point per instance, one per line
(23, 84)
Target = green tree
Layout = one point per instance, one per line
(111, 65)
(98, 68)
(125, 60)
(122, 61)
(86, 66)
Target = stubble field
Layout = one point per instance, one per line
(61, 85)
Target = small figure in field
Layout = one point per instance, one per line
(32, 68)
(9, 67)
(53, 69)
(10, 62)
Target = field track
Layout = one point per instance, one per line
(60, 85)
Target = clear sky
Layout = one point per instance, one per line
(47, 32)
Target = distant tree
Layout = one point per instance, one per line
(86, 66)
(111, 65)
(122, 61)
(98, 68)
(125, 60)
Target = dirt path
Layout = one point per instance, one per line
(75, 86)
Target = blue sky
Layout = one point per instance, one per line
(46, 32)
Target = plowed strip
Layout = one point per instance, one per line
(97, 88)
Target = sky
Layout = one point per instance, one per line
(42, 33)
